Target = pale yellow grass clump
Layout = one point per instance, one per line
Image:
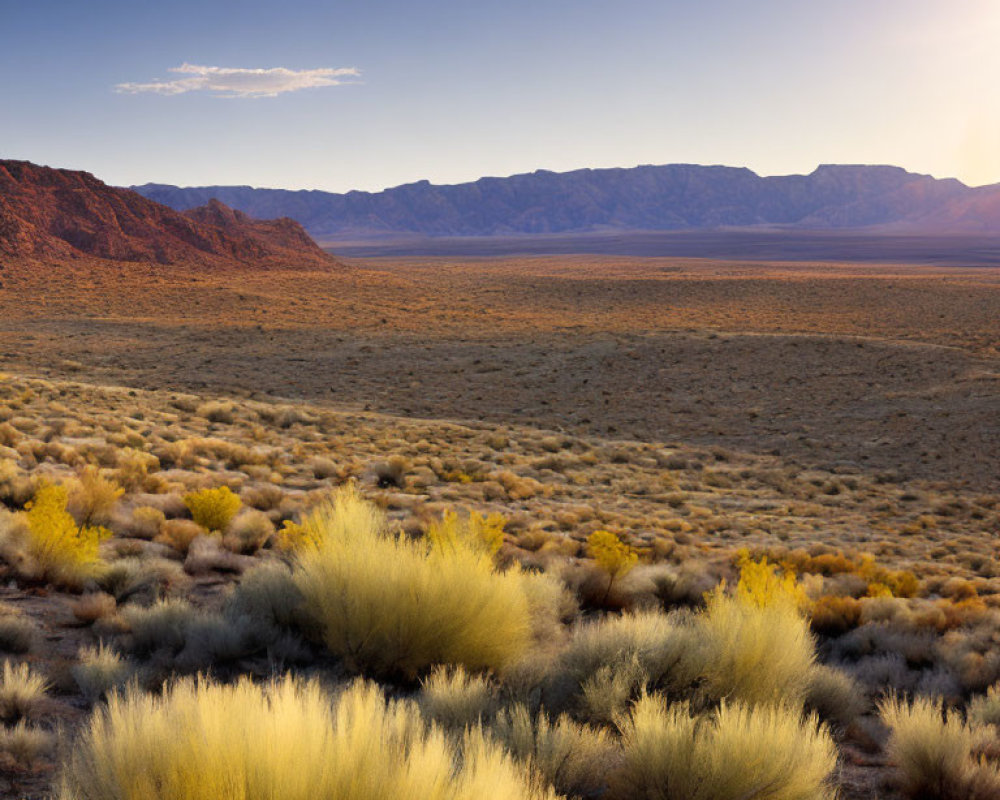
(100, 669)
(286, 741)
(756, 643)
(455, 698)
(736, 752)
(576, 759)
(937, 754)
(22, 692)
(92, 497)
(390, 604)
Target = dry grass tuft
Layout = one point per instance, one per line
(755, 642)
(24, 744)
(94, 606)
(390, 604)
(179, 533)
(22, 692)
(936, 754)
(575, 759)
(99, 671)
(92, 497)
(457, 699)
(736, 752)
(248, 532)
(287, 741)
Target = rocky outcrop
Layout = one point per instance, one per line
(53, 214)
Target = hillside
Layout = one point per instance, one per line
(53, 214)
(650, 198)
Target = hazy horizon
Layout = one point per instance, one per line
(338, 97)
(544, 169)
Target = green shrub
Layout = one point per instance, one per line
(162, 626)
(834, 695)
(141, 579)
(286, 741)
(18, 632)
(735, 753)
(394, 605)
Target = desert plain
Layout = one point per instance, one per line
(840, 419)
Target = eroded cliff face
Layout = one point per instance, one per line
(48, 214)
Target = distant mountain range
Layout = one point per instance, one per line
(53, 215)
(648, 198)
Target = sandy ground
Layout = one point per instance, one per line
(890, 368)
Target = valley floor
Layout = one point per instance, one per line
(887, 369)
(815, 414)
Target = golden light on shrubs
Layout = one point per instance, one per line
(63, 551)
(213, 509)
(389, 604)
(612, 555)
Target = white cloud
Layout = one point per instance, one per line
(238, 82)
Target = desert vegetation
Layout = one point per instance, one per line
(499, 605)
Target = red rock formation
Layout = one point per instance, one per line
(54, 214)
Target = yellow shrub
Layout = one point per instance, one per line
(475, 529)
(762, 585)
(213, 509)
(736, 752)
(286, 741)
(611, 553)
(391, 604)
(295, 536)
(62, 551)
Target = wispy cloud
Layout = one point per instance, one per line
(239, 82)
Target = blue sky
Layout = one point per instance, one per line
(379, 93)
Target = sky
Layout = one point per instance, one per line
(367, 94)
